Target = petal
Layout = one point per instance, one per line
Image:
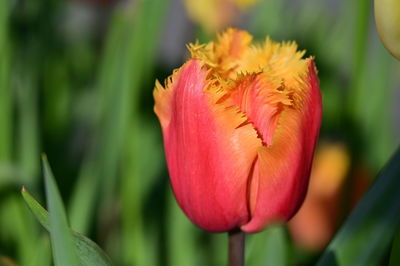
(225, 55)
(233, 44)
(209, 155)
(162, 107)
(283, 168)
(260, 97)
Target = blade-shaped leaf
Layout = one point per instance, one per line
(6, 99)
(61, 238)
(366, 235)
(269, 247)
(89, 253)
(395, 253)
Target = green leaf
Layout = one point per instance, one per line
(6, 99)
(27, 133)
(89, 253)
(17, 224)
(61, 238)
(181, 236)
(269, 247)
(395, 254)
(40, 213)
(366, 235)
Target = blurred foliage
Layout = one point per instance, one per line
(76, 80)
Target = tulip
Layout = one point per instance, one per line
(387, 18)
(240, 122)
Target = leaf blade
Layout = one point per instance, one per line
(366, 235)
(64, 253)
(395, 253)
(89, 253)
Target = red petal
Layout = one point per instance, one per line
(283, 168)
(209, 156)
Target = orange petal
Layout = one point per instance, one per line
(261, 98)
(284, 166)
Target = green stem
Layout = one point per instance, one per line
(236, 248)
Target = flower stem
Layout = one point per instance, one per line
(236, 248)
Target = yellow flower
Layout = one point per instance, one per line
(387, 18)
(214, 15)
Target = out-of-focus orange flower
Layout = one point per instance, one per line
(318, 218)
(240, 122)
(214, 15)
(329, 170)
(316, 221)
(360, 183)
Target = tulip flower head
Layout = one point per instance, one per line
(240, 122)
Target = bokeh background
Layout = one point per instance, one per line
(76, 81)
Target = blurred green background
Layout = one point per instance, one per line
(76, 81)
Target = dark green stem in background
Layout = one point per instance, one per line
(236, 248)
